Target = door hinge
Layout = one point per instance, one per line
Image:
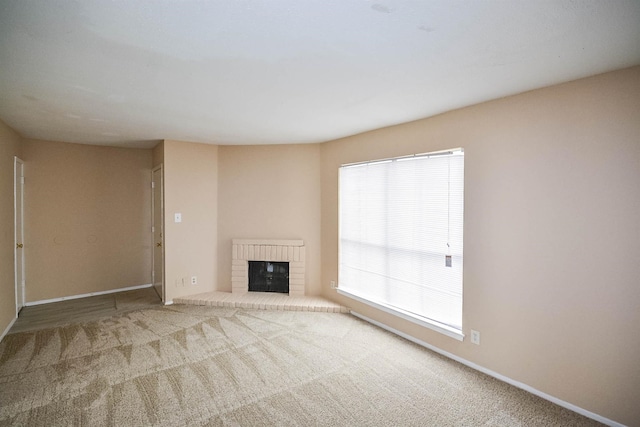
(153, 184)
(153, 229)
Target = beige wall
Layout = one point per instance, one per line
(87, 218)
(158, 154)
(190, 188)
(10, 146)
(552, 241)
(270, 192)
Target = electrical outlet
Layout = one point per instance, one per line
(333, 284)
(475, 337)
(194, 280)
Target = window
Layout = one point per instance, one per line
(401, 224)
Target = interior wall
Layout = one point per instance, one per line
(552, 235)
(10, 146)
(158, 154)
(87, 218)
(270, 192)
(191, 189)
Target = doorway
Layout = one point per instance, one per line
(157, 229)
(18, 209)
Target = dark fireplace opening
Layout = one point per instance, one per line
(267, 276)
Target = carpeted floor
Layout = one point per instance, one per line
(197, 365)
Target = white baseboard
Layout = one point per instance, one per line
(168, 302)
(6, 330)
(91, 294)
(496, 375)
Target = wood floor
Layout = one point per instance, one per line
(83, 309)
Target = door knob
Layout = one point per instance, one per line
(19, 245)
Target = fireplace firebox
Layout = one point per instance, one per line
(269, 276)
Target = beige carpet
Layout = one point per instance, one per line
(190, 365)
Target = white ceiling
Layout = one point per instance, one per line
(127, 73)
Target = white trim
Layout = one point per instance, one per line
(494, 374)
(418, 320)
(168, 302)
(451, 152)
(8, 328)
(91, 294)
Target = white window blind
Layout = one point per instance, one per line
(399, 220)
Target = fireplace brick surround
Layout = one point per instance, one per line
(275, 250)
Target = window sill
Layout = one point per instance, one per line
(418, 320)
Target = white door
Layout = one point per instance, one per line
(157, 228)
(18, 209)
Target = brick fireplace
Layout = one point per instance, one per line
(245, 250)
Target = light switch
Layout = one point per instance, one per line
(178, 217)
